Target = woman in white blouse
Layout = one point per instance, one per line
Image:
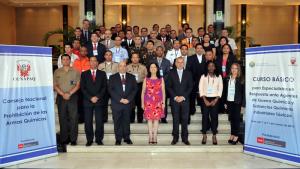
(210, 89)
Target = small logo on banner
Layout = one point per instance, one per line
(252, 64)
(20, 146)
(260, 140)
(24, 69)
(293, 61)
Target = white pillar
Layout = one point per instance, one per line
(81, 12)
(227, 15)
(99, 12)
(209, 12)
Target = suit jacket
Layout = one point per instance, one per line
(239, 95)
(100, 49)
(84, 39)
(125, 45)
(197, 69)
(111, 43)
(165, 66)
(115, 89)
(175, 88)
(90, 88)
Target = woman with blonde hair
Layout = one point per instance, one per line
(234, 93)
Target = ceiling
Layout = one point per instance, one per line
(32, 3)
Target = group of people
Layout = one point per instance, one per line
(139, 73)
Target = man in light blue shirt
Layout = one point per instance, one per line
(119, 54)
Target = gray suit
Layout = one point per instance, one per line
(111, 43)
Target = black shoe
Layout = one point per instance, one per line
(234, 142)
(186, 142)
(174, 141)
(89, 143)
(140, 121)
(118, 143)
(105, 121)
(73, 143)
(99, 143)
(128, 141)
(164, 121)
(230, 141)
(214, 138)
(204, 139)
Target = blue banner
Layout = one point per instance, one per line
(273, 103)
(27, 118)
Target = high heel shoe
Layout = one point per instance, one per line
(204, 139)
(214, 138)
(230, 141)
(234, 142)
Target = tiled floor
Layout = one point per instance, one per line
(153, 161)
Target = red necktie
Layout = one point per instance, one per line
(95, 46)
(93, 75)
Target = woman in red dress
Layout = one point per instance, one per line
(153, 100)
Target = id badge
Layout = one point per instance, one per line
(231, 92)
(95, 52)
(161, 72)
(210, 90)
(223, 68)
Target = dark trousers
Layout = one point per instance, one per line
(88, 126)
(121, 117)
(68, 118)
(105, 107)
(80, 106)
(193, 98)
(180, 112)
(235, 112)
(138, 104)
(210, 117)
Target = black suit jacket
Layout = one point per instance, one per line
(84, 39)
(101, 51)
(90, 88)
(124, 44)
(197, 69)
(115, 89)
(175, 88)
(239, 95)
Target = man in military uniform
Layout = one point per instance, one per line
(149, 56)
(110, 68)
(66, 84)
(138, 48)
(140, 72)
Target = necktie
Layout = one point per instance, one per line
(123, 80)
(106, 43)
(94, 46)
(93, 75)
(86, 35)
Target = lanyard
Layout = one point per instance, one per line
(208, 80)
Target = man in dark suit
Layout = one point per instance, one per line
(179, 86)
(122, 88)
(93, 86)
(128, 43)
(85, 32)
(196, 65)
(95, 48)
